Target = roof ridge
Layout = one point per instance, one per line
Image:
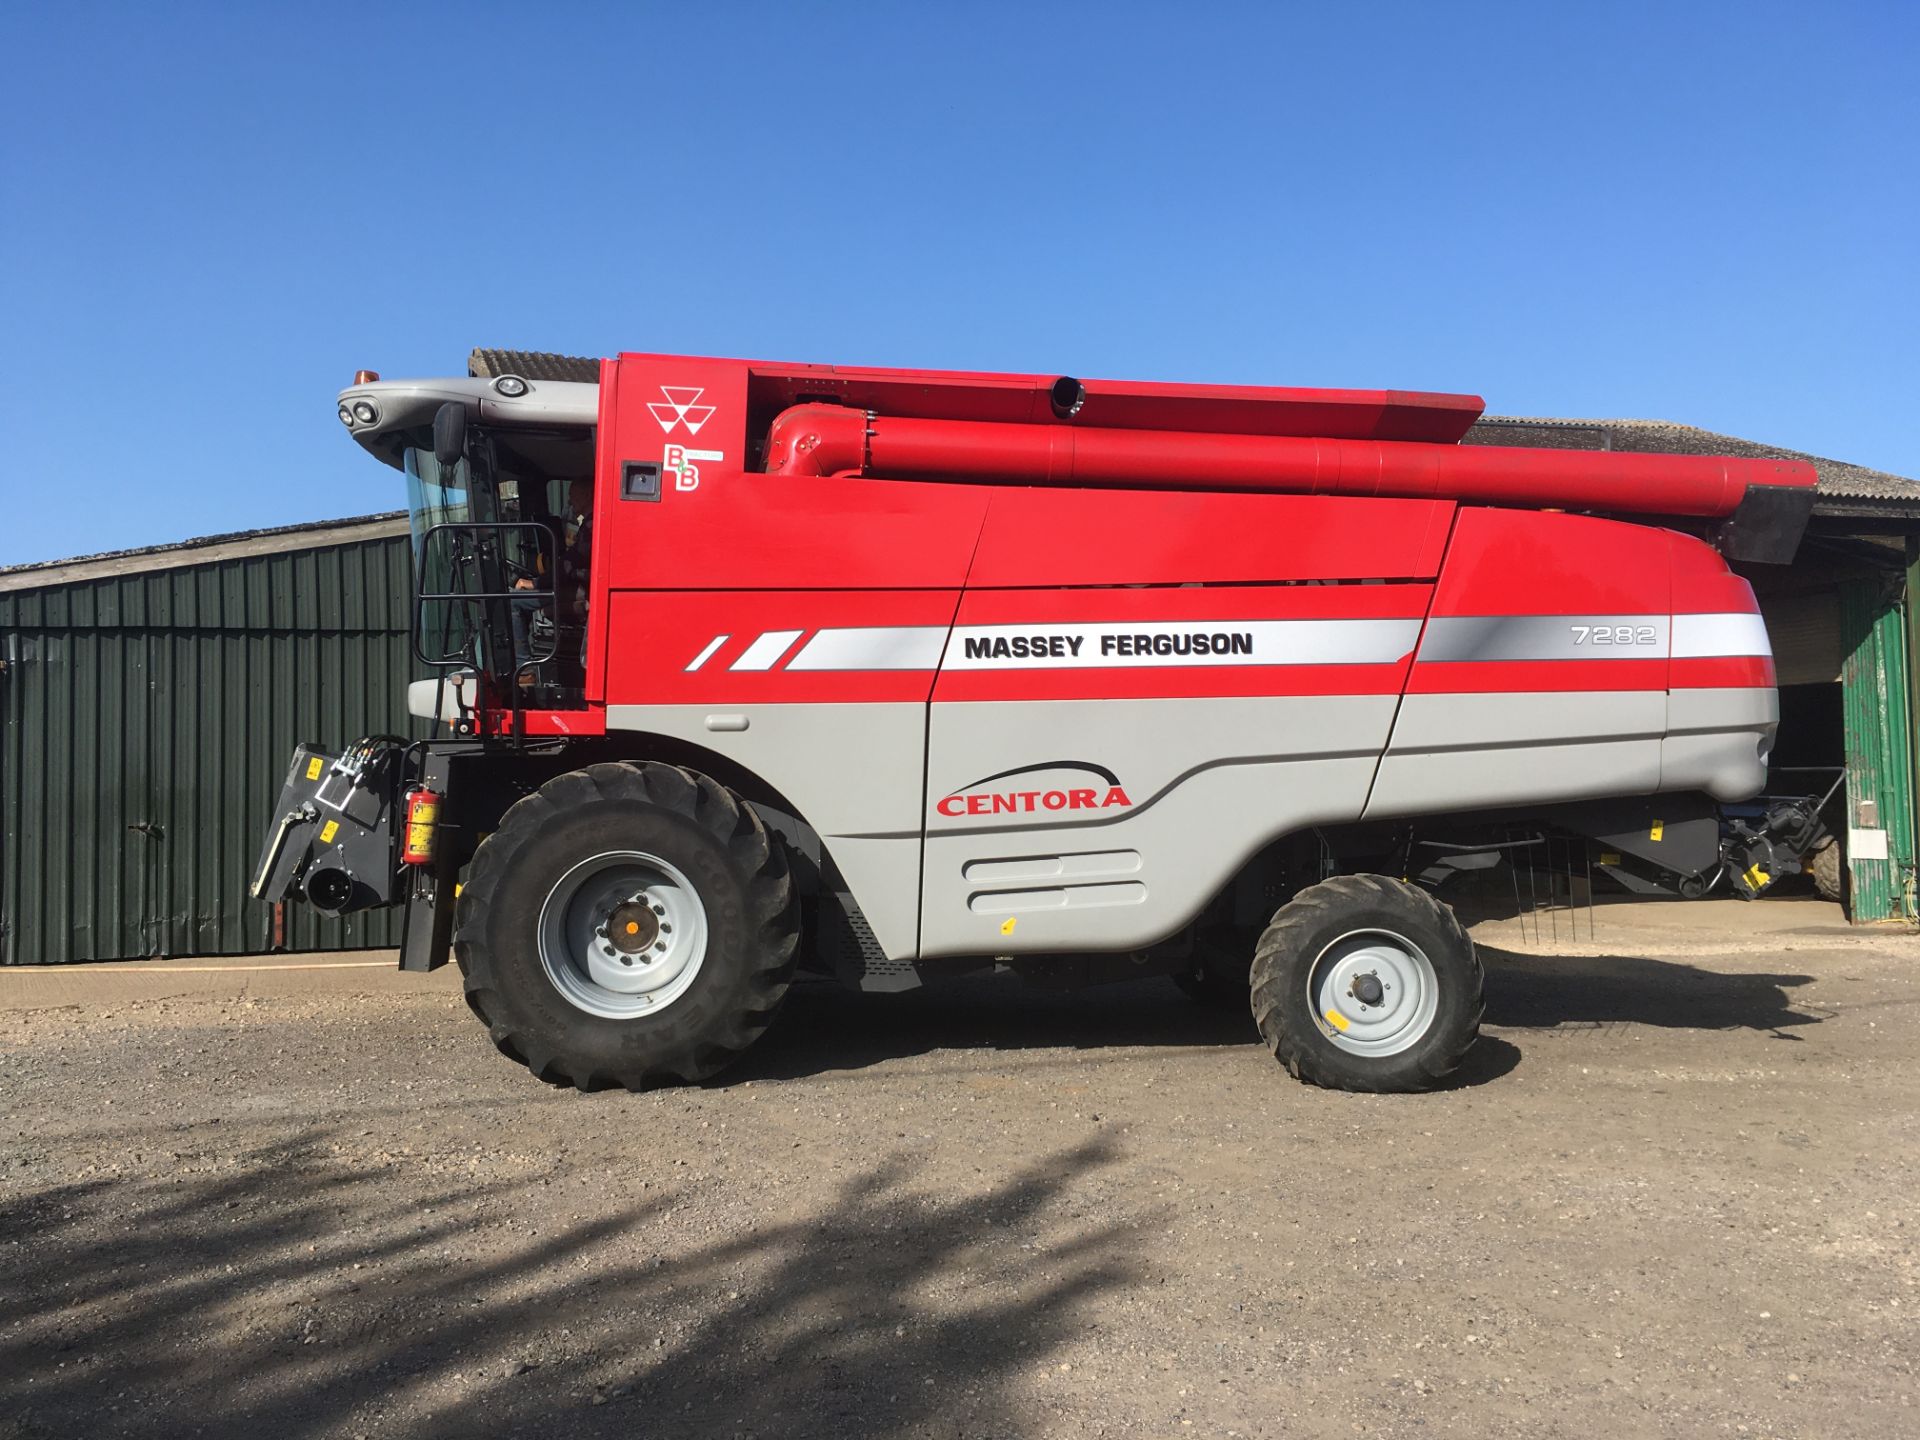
(1838, 478)
(206, 542)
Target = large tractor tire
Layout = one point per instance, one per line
(1828, 867)
(627, 925)
(1366, 983)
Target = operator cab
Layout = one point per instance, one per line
(500, 497)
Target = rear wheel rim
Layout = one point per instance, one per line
(622, 935)
(1374, 993)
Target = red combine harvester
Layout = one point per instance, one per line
(895, 674)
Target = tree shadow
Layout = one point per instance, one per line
(1547, 992)
(297, 1296)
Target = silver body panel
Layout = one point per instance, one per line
(1209, 783)
(1480, 751)
(1718, 740)
(855, 772)
(1488, 751)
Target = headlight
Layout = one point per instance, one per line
(364, 412)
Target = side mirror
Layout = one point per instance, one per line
(450, 433)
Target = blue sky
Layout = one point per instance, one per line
(211, 216)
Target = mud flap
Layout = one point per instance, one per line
(426, 930)
(846, 942)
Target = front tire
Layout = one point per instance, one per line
(1366, 983)
(628, 924)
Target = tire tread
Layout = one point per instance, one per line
(1292, 1034)
(773, 921)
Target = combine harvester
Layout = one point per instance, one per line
(896, 674)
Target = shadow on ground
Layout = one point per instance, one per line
(292, 1295)
(825, 1028)
(1547, 991)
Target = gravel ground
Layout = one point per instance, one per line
(1674, 1197)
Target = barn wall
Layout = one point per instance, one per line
(1879, 731)
(148, 718)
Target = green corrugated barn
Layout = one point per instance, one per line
(150, 701)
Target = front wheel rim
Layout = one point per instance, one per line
(622, 935)
(1374, 993)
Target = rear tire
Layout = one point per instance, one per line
(630, 924)
(1366, 983)
(1828, 867)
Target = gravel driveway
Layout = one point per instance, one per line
(1675, 1197)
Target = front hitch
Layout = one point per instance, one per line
(334, 842)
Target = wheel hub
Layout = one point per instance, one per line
(1374, 992)
(633, 927)
(622, 935)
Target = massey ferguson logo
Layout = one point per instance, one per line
(681, 407)
(1000, 795)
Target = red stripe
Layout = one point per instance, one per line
(1157, 682)
(1722, 672)
(1477, 677)
(591, 721)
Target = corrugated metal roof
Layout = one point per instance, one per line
(205, 550)
(532, 365)
(1843, 488)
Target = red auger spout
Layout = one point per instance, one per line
(816, 439)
